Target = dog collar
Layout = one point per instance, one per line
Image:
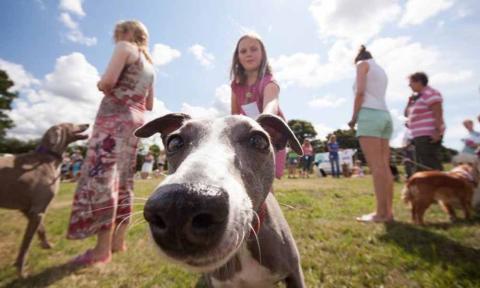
(257, 221)
(45, 150)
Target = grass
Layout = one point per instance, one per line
(336, 251)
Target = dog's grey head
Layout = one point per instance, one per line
(220, 172)
(59, 136)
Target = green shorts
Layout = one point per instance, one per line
(374, 123)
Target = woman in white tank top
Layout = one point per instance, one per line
(374, 130)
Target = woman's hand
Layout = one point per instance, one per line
(352, 123)
(99, 86)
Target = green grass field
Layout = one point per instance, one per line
(336, 251)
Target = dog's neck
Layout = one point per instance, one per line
(464, 174)
(44, 150)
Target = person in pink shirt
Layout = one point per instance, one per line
(425, 121)
(254, 90)
(307, 158)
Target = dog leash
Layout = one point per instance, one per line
(406, 159)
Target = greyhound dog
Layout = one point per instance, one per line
(215, 212)
(30, 180)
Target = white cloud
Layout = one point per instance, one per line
(199, 111)
(354, 20)
(222, 99)
(72, 6)
(163, 54)
(418, 11)
(328, 101)
(446, 78)
(68, 21)
(205, 59)
(65, 95)
(463, 12)
(401, 57)
(79, 84)
(308, 70)
(21, 78)
(398, 128)
(74, 33)
(322, 130)
(77, 36)
(159, 109)
(219, 108)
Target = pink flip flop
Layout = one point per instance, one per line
(86, 259)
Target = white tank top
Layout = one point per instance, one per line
(376, 86)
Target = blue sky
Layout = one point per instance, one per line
(55, 51)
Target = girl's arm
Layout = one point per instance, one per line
(150, 97)
(115, 67)
(270, 99)
(233, 105)
(362, 70)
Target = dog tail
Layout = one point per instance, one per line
(408, 194)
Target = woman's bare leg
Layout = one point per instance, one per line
(382, 178)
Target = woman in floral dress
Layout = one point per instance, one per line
(102, 203)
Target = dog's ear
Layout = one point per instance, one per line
(163, 125)
(279, 132)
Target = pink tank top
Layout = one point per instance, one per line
(252, 94)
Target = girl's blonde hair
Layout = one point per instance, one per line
(332, 138)
(139, 33)
(237, 72)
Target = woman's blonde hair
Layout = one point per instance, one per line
(237, 72)
(139, 33)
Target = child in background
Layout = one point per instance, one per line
(254, 90)
(357, 170)
(307, 157)
(292, 163)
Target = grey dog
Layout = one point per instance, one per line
(215, 212)
(31, 180)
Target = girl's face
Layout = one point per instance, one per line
(250, 54)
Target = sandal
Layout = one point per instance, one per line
(87, 259)
(373, 218)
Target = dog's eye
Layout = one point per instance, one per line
(174, 144)
(258, 141)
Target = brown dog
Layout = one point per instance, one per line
(30, 180)
(448, 188)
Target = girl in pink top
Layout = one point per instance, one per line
(254, 91)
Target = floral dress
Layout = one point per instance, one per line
(105, 189)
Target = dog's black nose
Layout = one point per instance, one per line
(186, 219)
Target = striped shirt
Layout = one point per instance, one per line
(420, 116)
